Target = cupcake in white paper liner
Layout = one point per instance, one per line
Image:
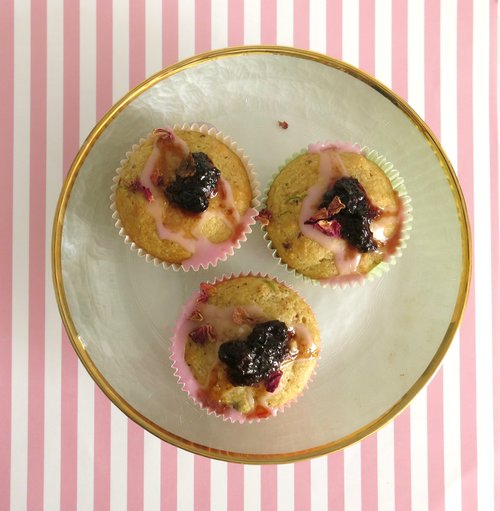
(185, 197)
(245, 347)
(337, 214)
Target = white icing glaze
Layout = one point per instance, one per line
(221, 320)
(331, 168)
(202, 250)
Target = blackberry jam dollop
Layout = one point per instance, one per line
(252, 361)
(351, 215)
(195, 183)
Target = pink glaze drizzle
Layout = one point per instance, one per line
(331, 168)
(221, 319)
(202, 250)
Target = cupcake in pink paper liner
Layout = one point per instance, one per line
(337, 214)
(245, 347)
(185, 197)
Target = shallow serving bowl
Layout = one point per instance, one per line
(381, 342)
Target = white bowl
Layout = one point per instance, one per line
(380, 342)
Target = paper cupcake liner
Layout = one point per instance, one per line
(249, 218)
(184, 375)
(398, 186)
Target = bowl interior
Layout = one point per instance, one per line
(377, 339)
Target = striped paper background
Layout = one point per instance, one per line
(62, 444)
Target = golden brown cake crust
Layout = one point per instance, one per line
(284, 201)
(275, 301)
(140, 225)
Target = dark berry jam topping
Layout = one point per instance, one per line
(353, 197)
(195, 183)
(259, 357)
(346, 211)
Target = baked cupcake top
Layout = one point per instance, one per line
(332, 213)
(245, 347)
(184, 197)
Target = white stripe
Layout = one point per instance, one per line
(20, 260)
(120, 49)
(118, 461)
(185, 480)
(352, 477)
(218, 485)
(451, 428)
(284, 22)
(385, 467)
(383, 41)
(319, 484)
(85, 440)
(186, 29)
(152, 472)
(317, 25)
(219, 24)
(252, 487)
(85, 414)
(251, 22)
(285, 477)
(482, 252)
(87, 67)
(52, 404)
(418, 442)
(416, 56)
(153, 34)
(350, 31)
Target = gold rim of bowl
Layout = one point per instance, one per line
(204, 450)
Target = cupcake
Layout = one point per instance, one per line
(185, 197)
(245, 347)
(335, 213)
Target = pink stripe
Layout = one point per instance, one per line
(435, 421)
(203, 25)
(268, 21)
(268, 488)
(334, 28)
(402, 439)
(402, 461)
(495, 243)
(104, 56)
(6, 205)
(367, 36)
(168, 490)
(137, 42)
(336, 481)
(369, 479)
(236, 26)
(170, 32)
(135, 467)
(36, 323)
(235, 487)
(435, 442)
(102, 450)
(201, 483)
(69, 361)
(69, 411)
(301, 23)
(302, 491)
(400, 47)
(102, 406)
(467, 344)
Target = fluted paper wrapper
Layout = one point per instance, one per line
(398, 186)
(183, 372)
(249, 218)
